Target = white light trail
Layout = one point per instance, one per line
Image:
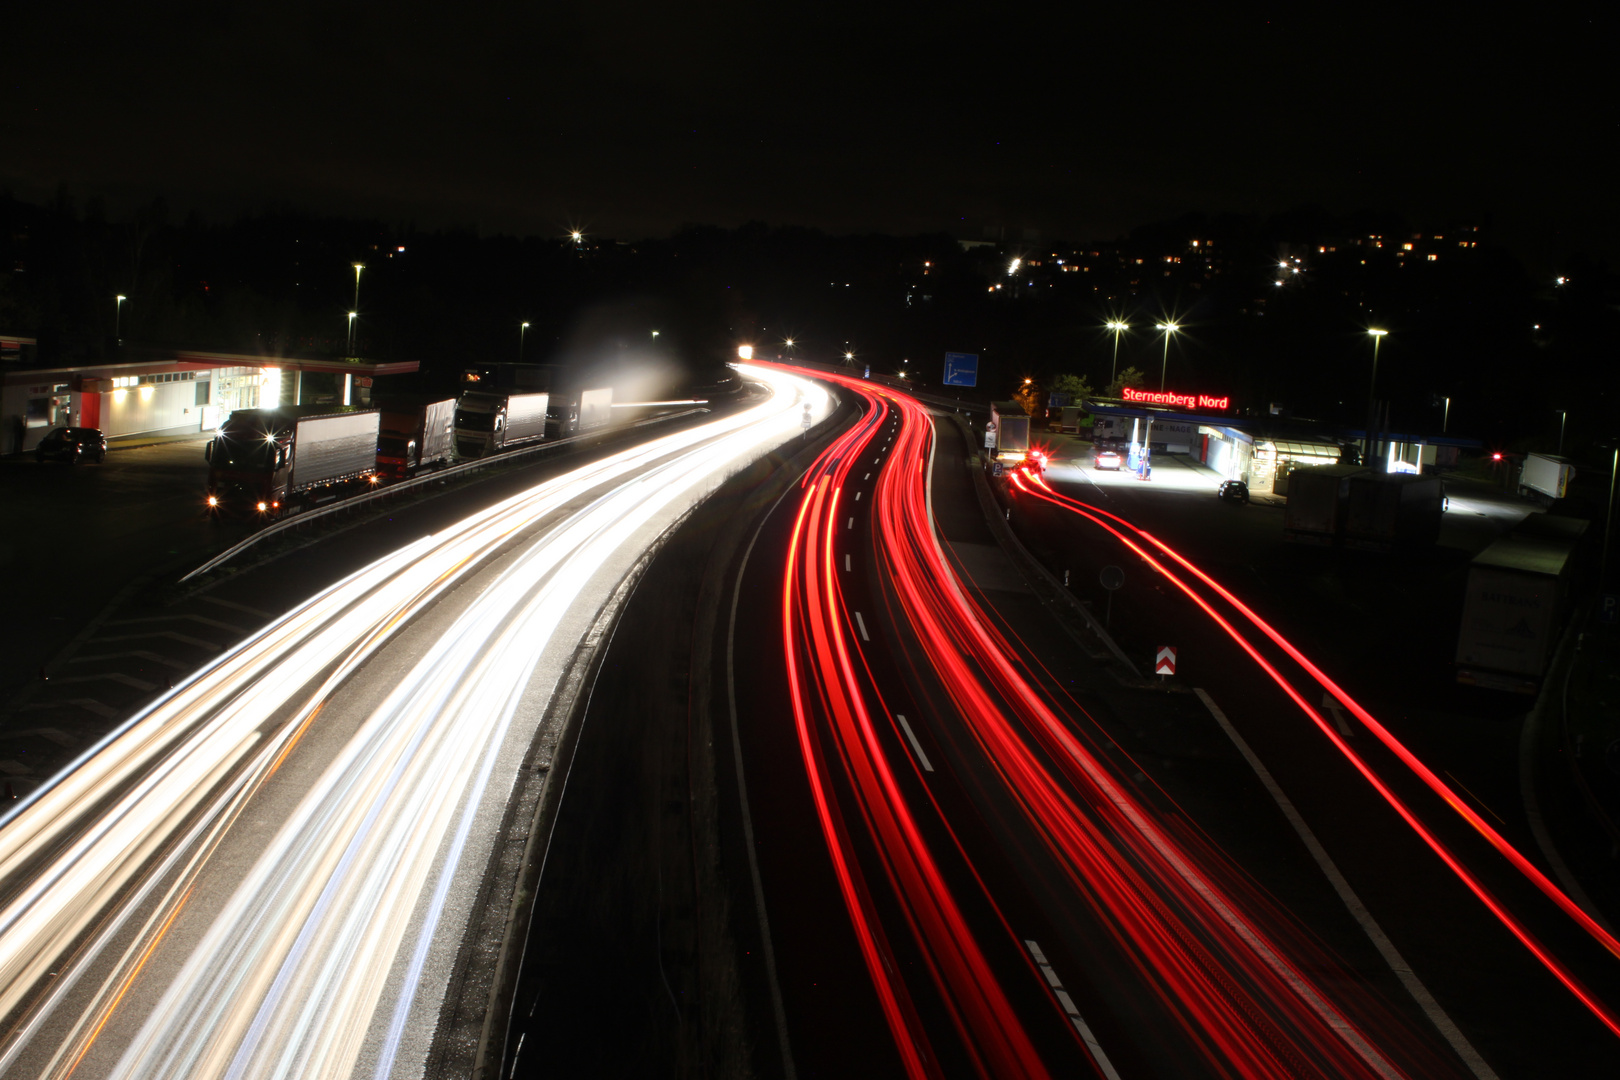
(291, 964)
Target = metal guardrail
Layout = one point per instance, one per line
(437, 476)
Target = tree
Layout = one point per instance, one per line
(1131, 377)
(1078, 387)
(1030, 396)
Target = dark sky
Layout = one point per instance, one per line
(631, 118)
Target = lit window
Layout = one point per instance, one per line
(1406, 247)
(1433, 257)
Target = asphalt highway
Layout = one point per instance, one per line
(946, 818)
(265, 873)
(1526, 977)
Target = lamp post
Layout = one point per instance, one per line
(522, 330)
(118, 319)
(1563, 415)
(1372, 391)
(1608, 524)
(357, 268)
(350, 344)
(1168, 328)
(1445, 416)
(1116, 325)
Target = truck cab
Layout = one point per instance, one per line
(248, 463)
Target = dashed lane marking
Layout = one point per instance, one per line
(915, 745)
(860, 622)
(1105, 1066)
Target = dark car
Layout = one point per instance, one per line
(1233, 491)
(72, 445)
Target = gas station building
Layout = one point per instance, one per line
(172, 392)
(1260, 451)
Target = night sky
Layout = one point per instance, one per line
(630, 119)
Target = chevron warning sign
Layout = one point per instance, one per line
(1165, 663)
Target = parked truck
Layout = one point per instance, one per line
(1010, 425)
(487, 423)
(1545, 477)
(273, 462)
(1390, 511)
(574, 415)
(1318, 503)
(416, 433)
(1516, 604)
(1071, 419)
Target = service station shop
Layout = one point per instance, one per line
(1261, 452)
(172, 394)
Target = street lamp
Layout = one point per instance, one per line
(357, 268)
(118, 319)
(1116, 326)
(352, 314)
(522, 330)
(1168, 328)
(1372, 391)
(1563, 415)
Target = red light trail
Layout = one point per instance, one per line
(1244, 1007)
(1038, 487)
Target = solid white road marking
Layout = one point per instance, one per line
(915, 745)
(860, 622)
(1386, 948)
(1097, 1055)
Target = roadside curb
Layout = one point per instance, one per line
(1532, 759)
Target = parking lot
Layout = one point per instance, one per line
(77, 535)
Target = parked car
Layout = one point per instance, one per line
(72, 445)
(1106, 459)
(1233, 491)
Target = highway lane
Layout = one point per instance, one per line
(932, 894)
(1502, 997)
(235, 883)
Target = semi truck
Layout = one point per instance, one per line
(487, 423)
(274, 462)
(569, 415)
(1318, 503)
(1071, 418)
(1545, 477)
(1390, 511)
(1516, 603)
(1010, 427)
(415, 433)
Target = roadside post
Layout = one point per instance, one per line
(1165, 662)
(1112, 577)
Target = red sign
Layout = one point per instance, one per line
(1170, 397)
(1165, 664)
